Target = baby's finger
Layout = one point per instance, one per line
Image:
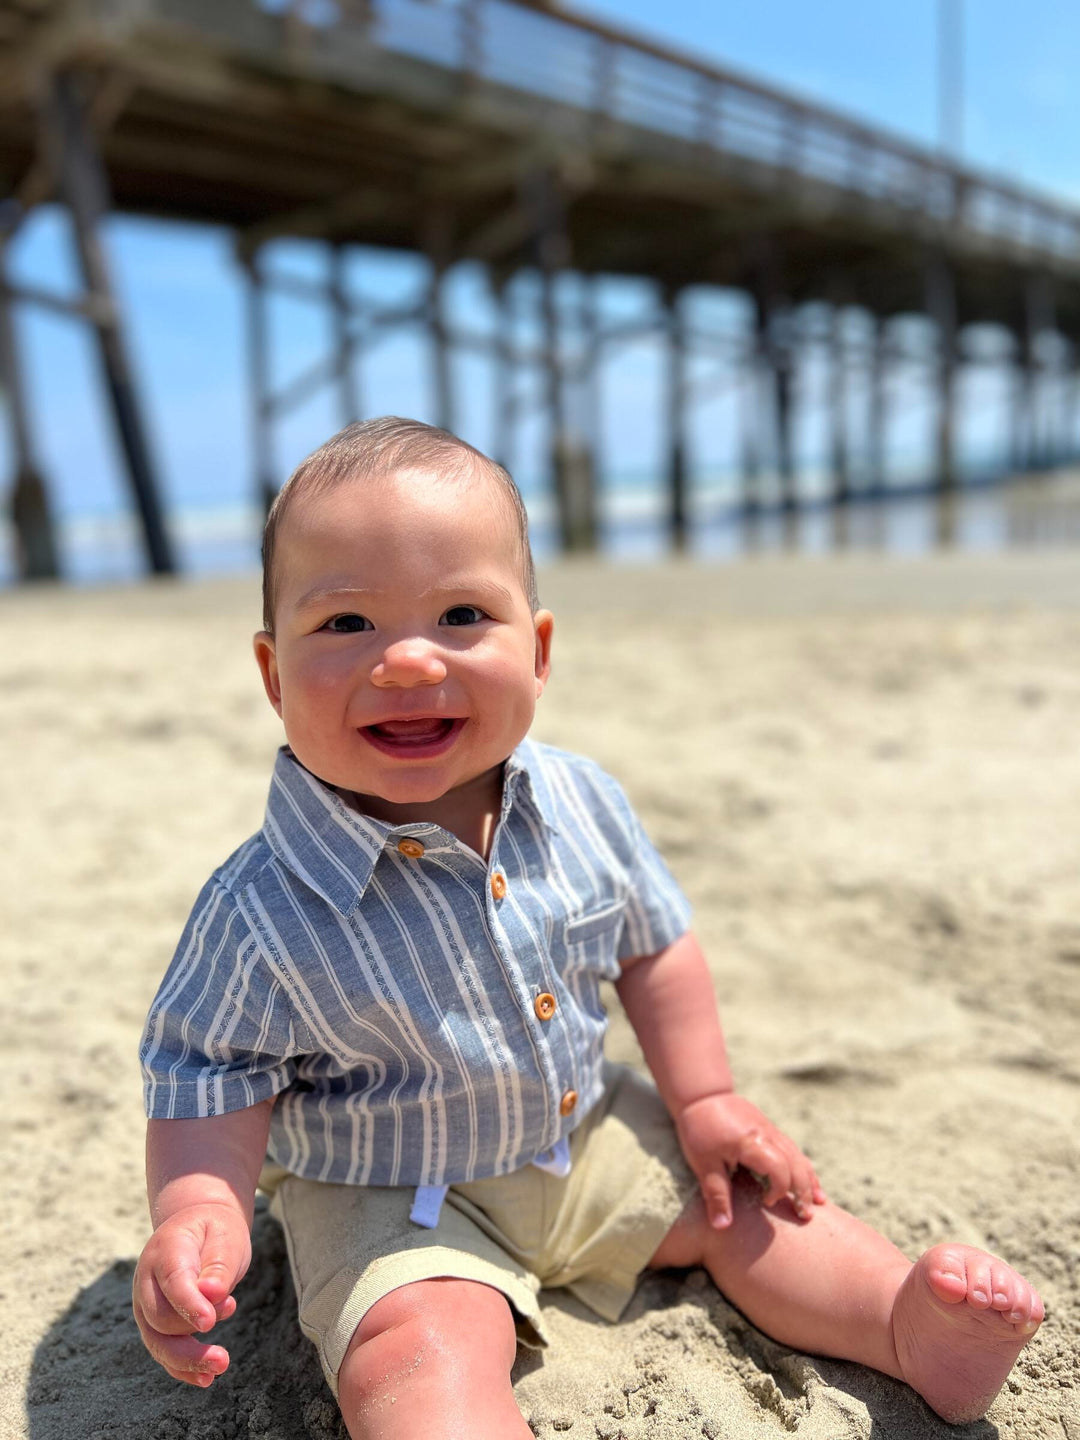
(219, 1271)
(180, 1288)
(716, 1192)
(182, 1355)
(809, 1190)
(150, 1302)
(771, 1167)
(189, 1377)
(803, 1180)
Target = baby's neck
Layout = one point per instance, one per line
(470, 811)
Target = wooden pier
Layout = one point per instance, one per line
(519, 136)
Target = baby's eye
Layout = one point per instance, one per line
(348, 624)
(463, 615)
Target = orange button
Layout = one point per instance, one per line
(412, 848)
(567, 1103)
(544, 1005)
(498, 885)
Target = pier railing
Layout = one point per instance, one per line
(627, 87)
(622, 80)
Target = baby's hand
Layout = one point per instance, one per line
(183, 1286)
(720, 1132)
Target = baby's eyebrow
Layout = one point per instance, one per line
(469, 585)
(327, 592)
(462, 585)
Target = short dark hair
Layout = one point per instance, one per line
(371, 449)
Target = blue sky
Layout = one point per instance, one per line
(183, 301)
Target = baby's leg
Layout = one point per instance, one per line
(950, 1325)
(433, 1358)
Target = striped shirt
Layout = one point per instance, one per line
(425, 1017)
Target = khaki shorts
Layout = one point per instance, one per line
(592, 1232)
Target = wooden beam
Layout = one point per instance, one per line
(676, 398)
(587, 377)
(320, 220)
(95, 308)
(1021, 437)
(1066, 417)
(941, 305)
(503, 368)
(571, 463)
(1038, 321)
(838, 416)
(750, 427)
(877, 418)
(501, 236)
(84, 186)
(28, 501)
(346, 341)
(262, 408)
(437, 242)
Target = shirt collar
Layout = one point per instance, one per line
(333, 849)
(526, 772)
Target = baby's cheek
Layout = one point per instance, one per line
(514, 699)
(316, 682)
(313, 706)
(515, 670)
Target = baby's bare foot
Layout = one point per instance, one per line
(959, 1321)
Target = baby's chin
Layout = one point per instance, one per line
(418, 798)
(398, 801)
(414, 783)
(402, 796)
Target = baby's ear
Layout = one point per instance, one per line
(266, 659)
(543, 626)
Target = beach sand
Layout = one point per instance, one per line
(866, 774)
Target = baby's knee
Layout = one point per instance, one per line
(425, 1331)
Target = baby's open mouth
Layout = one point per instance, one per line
(414, 735)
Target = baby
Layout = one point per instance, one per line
(385, 1011)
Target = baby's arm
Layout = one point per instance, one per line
(200, 1178)
(669, 1000)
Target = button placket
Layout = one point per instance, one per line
(544, 1007)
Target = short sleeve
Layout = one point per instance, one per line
(219, 1035)
(657, 912)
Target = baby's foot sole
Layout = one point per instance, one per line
(959, 1321)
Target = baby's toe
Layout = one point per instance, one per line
(1027, 1310)
(945, 1267)
(1003, 1287)
(980, 1281)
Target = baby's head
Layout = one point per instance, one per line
(404, 647)
(373, 450)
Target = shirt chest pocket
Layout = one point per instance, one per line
(591, 941)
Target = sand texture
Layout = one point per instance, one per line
(867, 776)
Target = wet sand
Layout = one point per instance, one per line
(865, 772)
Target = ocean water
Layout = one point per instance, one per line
(105, 548)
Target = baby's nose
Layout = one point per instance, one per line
(409, 662)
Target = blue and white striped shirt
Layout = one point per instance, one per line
(395, 991)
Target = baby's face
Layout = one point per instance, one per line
(405, 661)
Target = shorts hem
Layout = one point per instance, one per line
(431, 1263)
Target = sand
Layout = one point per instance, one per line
(865, 772)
